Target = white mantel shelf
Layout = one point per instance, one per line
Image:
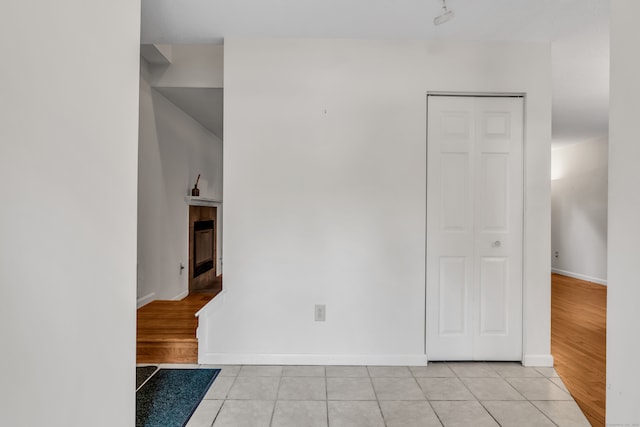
(202, 201)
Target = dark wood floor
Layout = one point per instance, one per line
(578, 341)
(166, 330)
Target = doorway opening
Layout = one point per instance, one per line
(202, 249)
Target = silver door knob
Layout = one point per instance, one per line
(496, 244)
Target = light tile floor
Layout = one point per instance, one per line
(440, 394)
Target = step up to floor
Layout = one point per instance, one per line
(166, 330)
(167, 351)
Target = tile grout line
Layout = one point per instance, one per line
(542, 412)
(477, 400)
(560, 388)
(489, 412)
(517, 391)
(326, 393)
(425, 396)
(203, 399)
(226, 395)
(384, 421)
(235, 378)
(273, 410)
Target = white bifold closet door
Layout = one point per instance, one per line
(474, 228)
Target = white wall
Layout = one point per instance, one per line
(623, 293)
(325, 180)
(579, 210)
(173, 150)
(68, 173)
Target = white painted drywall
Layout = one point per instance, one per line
(68, 174)
(325, 180)
(173, 150)
(623, 292)
(579, 210)
(192, 65)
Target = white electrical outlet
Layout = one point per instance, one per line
(320, 312)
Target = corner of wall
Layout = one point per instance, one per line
(538, 360)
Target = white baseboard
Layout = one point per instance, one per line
(313, 359)
(538, 360)
(580, 276)
(181, 295)
(146, 299)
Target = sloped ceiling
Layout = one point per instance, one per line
(203, 104)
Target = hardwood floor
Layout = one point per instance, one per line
(578, 341)
(166, 330)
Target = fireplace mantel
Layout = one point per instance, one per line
(202, 201)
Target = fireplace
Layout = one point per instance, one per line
(203, 224)
(203, 244)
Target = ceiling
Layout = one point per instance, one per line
(204, 105)
(578, 30)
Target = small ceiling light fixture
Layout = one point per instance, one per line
(447, 15)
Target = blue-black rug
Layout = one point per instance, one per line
(171, 396)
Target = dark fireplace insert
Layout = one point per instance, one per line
(202, 247)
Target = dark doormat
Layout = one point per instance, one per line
(143, 373)
(171, 396)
